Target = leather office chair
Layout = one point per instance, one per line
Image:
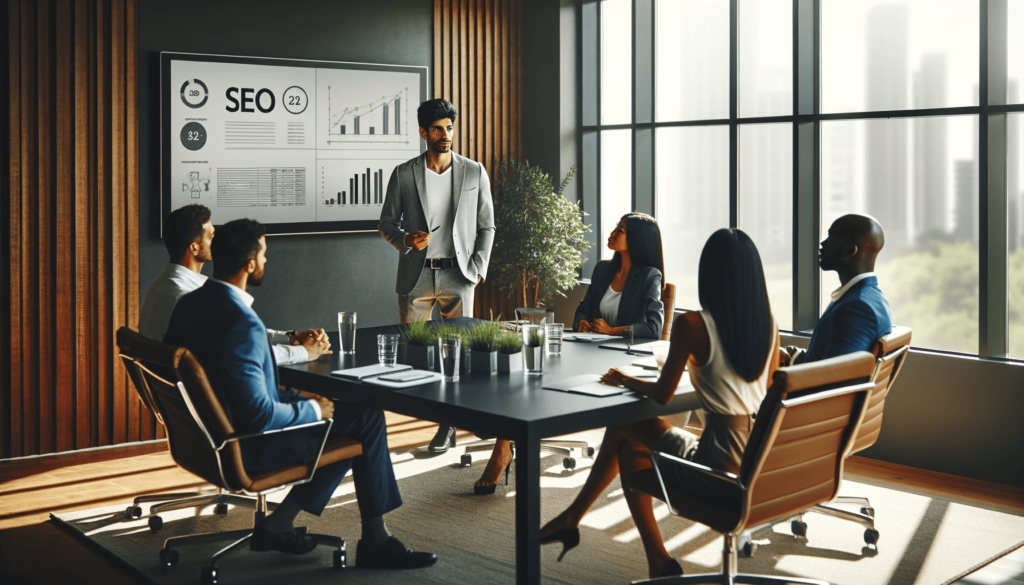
(668, 297)
(176, 500)
(890, 352)
(203, 441)
(804, 430)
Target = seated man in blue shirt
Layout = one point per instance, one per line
(217, 324)
(859, 312)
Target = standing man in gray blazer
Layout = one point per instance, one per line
(438, 214)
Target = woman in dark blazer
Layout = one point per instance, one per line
(625, 292)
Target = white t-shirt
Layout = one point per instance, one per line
(439, 214)
(610, 307)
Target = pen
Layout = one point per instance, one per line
(435, 229)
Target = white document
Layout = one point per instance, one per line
(587, 337)
(639, 348)
(367, 372)
(406, 379)
(589, 384)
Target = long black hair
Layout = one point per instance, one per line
(643, 238)
(730, 285)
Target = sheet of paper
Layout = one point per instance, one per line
(369, 371)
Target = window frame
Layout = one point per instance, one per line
(806, 119)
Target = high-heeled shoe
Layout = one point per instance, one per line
(570, 538)
(671, 568)
(488, 490)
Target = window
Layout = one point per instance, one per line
(766, 207)
(692, 169)
(917, 177)
(744, 114)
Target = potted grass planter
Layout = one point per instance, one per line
(480, 340)
(509, 346)
(421, 345)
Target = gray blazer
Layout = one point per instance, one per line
(640, 306)
(473, 217)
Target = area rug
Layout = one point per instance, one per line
(923, 540)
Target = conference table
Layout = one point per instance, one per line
(510, 406)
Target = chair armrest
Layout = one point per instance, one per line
(243, 436)
(659, 459)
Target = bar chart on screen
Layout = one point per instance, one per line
(367, 111)
(352, 188)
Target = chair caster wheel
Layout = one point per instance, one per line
(748, 549)
(133, 512)
(210, 576)
(871, 536)
(221, 509)
(799, 528)
(155, 523)
(340, 558)
(466, 461)
(168, 557)
(569, 463)
(590, 451)
(868, 511)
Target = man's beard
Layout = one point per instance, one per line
(436, 147)
(256, 279)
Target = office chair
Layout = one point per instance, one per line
(203, 441)
(890, 352)
(176, 500)
(804, 430)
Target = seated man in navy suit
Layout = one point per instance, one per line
(859, 312)
(215, 322)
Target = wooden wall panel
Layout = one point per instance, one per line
(72, 225)
(477, 66)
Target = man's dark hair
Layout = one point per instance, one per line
(431, 111)
(730, 286)
(184, 226)
(236, 243)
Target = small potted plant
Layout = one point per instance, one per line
(422, 341)
(509, 345)
(533, 349)
(480, 340)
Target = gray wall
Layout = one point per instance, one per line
(309, 279)
(956, 415)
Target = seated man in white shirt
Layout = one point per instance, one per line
(188, 235)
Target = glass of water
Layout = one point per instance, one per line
(387, 349)
(347, 332)
(450, 350)
(533, 349)
(554, 338)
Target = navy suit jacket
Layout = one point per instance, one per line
(640, 305)
(853, 323)
(231, 344)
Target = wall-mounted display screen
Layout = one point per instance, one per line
(301, 146)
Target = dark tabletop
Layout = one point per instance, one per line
(497, 404)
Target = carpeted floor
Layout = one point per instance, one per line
(923, 541)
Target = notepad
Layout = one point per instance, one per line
(589, 384)
(407, 379)
(646, 348)
(366, 372)
(587, 337)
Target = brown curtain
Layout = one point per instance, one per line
(477, 65)
(71, 216)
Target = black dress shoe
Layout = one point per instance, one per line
(392, 554)
(443, 439)
(293, 542)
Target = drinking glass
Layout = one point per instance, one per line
(387, 349)
(450, 349)
(533, 349)
(554, 338)
(347, 332)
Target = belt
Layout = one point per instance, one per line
(440, 263)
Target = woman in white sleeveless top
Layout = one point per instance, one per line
(731, 351)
